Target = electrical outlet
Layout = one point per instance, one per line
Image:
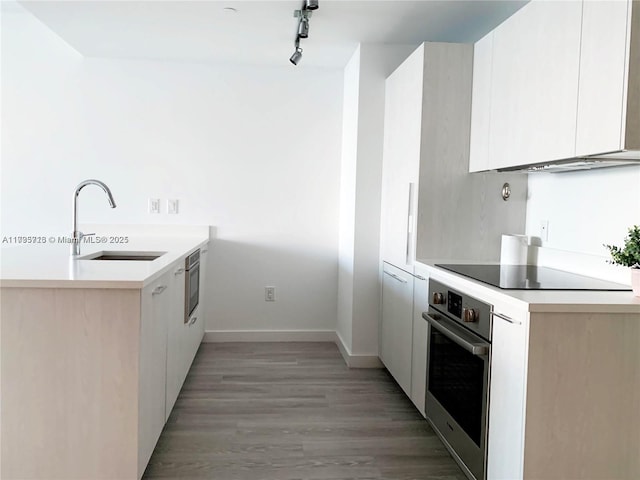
(544, 230)
(269, 294)
(172, 205)
(154, 205)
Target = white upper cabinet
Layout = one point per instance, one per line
(556, 81)
(602, 76)
(535, 84)
(481, 104)
(401, 160)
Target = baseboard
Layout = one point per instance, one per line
(352, 361)
(356, 361)
(219, 336)
(342, 347)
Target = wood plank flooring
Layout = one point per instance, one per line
(294, 411)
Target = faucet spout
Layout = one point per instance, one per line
(76, 236)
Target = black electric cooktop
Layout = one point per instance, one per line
(530, 277)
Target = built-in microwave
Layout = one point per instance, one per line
(192, 284)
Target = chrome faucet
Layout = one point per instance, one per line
(76, 236)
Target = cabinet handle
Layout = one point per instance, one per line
(505, 317)
(158, 290)
(393, 275)
(179, 271)
(204, 251)
(419, 277)
(409, 222)
(192, 321)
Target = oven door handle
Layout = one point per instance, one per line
(475, 347)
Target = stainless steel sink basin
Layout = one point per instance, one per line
(122, 255)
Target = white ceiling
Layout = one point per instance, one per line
(261, 32)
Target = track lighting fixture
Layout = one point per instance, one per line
(297, 55)
(303, 27)
(311, 4)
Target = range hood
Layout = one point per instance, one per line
(617, 159)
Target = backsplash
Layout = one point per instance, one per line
(584, 210)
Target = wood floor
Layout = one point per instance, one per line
(294, 411)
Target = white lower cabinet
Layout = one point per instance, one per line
(561, 384)
(419, 342)
(184, 334)
(168, 347)
(507, 393)
(397, 324)
(403, 333)
(177, 366)
(156, 300)
(121, 356)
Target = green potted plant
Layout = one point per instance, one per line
(629, 256)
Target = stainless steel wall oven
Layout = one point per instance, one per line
(458, 369)
(192, 284)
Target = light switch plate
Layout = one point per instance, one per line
(173, 205)
(154, 205)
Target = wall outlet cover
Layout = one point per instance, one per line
(269, 294)
(173, 205)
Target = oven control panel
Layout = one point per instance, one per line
(454, 304)
(464, 309)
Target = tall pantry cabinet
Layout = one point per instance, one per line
(432, 207)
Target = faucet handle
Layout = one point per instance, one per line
(77, 239)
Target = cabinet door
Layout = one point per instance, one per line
(156, 305)
(419, 341)
(534, 86)
(602, 76)
(401, 160)
(177, 337)
(397, 324)
(509, 350)
(481, 104)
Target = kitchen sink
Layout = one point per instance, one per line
(122, 255)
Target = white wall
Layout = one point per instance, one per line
(253, 151)
(585, 210)
(348, 199)
(363, 127)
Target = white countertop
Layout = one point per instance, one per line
(49, 265)
(539, 300)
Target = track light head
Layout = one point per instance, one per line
(297, 56)
(303, 27)
(311, 4)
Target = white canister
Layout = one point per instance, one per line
(514, 250)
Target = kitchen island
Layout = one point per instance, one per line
(93, 355)
(564, 381)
